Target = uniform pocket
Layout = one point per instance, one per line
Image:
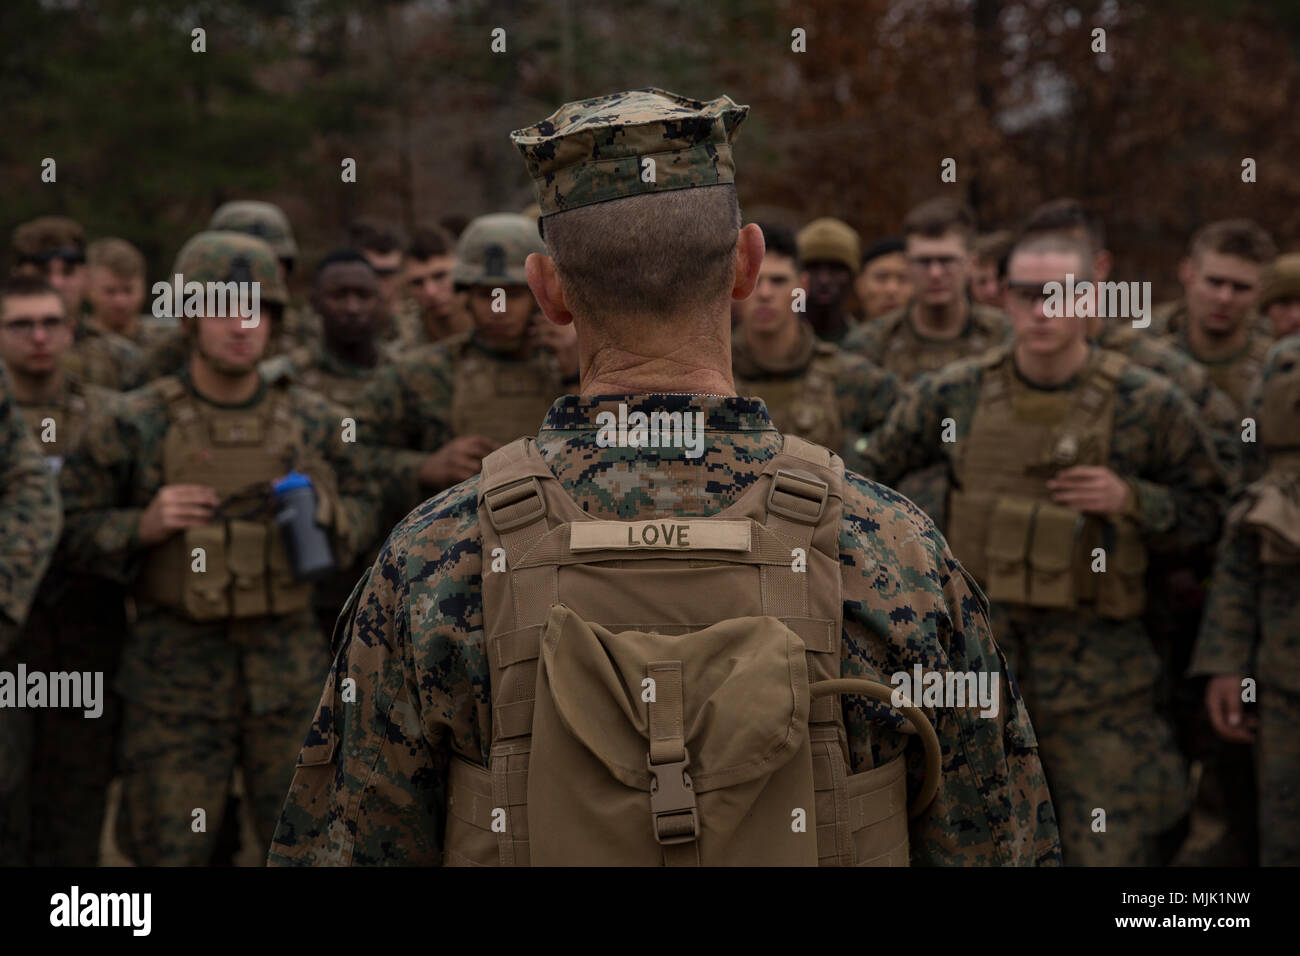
(1051, 556)
(247, 562)
(1007, 550)
(204, 593)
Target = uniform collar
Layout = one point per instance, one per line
(576, 413)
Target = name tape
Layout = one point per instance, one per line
(670, 535)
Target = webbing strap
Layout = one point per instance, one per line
(673, 809)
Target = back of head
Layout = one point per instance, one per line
(638, 205)
(262, 219)
(655, 257)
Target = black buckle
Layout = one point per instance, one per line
(802, 487)
(672, 797)
(498, 499)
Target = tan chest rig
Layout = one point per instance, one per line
(502, 400)
(68, 417)
(1002, 524)
(908, 355)
(247, 570)
(803, 404)
(682, 729)
(1275, 499)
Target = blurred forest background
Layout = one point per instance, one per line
(149, 137)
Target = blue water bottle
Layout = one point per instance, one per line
(306, 542)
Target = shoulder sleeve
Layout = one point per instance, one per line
(909, 604)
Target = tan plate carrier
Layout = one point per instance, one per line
(685, 729)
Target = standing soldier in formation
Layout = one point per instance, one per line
(29, 531)
(1222, 824)
(812, 388)
(170, 490)
(346, 295)
(78, 621)
(427, 275)
(882, 286)
(295, 337)
(939, 325)
(988, 275)
(431, 417)
(1068, 463)
(115, 292)
(1249, 642)
(1215, 322)
(54, 248)
(830, 252)
(488, 589)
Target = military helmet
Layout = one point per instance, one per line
(492, 250)
(219, 256)
(261, 219)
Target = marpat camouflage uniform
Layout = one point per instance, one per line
(370, 787)
(77, 623)
(105, 359)
(229, 680)
(372, 782)
(1089, 681)
(1251, 625)
(820, 392)
(29, 530)
(892, 342)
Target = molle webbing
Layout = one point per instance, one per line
(501, 399)
(796, 503)
(1002, 524)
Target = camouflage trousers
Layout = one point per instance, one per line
(175, 764)
(1117, 778)
(1277, 762)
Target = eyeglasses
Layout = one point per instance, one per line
(69, 254)
(26, 328)
(925, 262)
(1030, 293)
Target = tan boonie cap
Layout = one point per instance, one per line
(830, 240)
(265, 220)
(492, 249)
(592, 150)
(1281, 280)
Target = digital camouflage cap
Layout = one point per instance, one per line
(262, 219)
(218, 256)
(492, 250)
(626, 144)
